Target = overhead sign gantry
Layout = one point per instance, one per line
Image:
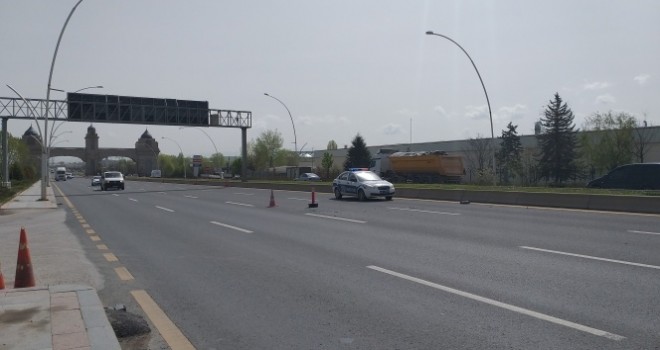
(93, 108)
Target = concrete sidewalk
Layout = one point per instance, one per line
(63, 311)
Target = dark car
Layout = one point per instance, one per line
(308, 177)
(640, 176)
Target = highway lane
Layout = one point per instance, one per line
(293, 280)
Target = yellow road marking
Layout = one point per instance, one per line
(123, 274)
(90, 231)
(110, 257)
(95, 238)
(86, 226)
(102, 247)
(172, 335)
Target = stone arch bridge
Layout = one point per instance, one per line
(144, 154)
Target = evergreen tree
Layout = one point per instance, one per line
(558, 143)
(358, 155)
(509, 154)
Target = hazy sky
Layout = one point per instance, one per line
(342, 67)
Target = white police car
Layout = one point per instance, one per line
(363, 184)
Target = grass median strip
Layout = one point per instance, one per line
(502, 305)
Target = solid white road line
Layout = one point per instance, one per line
(424, 211)
(132, 199)
(244, 194)
(644, 232)
(336, 218)
(240, 204)
(502, 305)
(163, 208)
(193, 197)
(592, 257)
(231, 227)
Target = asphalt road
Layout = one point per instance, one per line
(233, 273)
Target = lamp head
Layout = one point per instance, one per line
(429, 32)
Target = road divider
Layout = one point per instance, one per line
(424, 211)
(231, 227)
(336, 218)
(502, 305)
(644, 232)
(591, 257)
(165, 209)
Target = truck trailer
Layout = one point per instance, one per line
(419, 167)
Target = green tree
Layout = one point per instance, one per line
(265, 150)
(332, 145)
(508, 156)
(236, 166)
(327, 163)
(18, 159)
(611, 141)
(358, 155)
(558, 143)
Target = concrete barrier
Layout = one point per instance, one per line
(619, 203)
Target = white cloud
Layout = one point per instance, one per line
(440, 111)
(642, 79)
(596, 85)
(392, 129)
(329, 119)
(515, 112)
(477, 112)
(605, 99)
(407, 112)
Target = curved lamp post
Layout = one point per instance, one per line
(209, 137)
(295, 139)
(490, 114)
(79, 90)
(45, 148)
(183, 158)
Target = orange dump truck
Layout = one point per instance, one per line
(422, 167)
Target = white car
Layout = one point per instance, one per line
(362, 184)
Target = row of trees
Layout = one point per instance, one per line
(20, 166)
(563, 155)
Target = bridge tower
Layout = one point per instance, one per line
(33, 142)
(92, 161)
(146, 154)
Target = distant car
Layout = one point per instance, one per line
(640, 176)
(69, 175)
(112, 179)
(362, 184)
(308, 177)
(96, 181)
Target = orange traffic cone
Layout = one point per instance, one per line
(272, 199)
(24, 274)
(2, 279)
(313, 204)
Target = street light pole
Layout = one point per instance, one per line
(79, 90)
(210, 139)
(45, 149)
(295, 139)
(490, 114)
(183, 158)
